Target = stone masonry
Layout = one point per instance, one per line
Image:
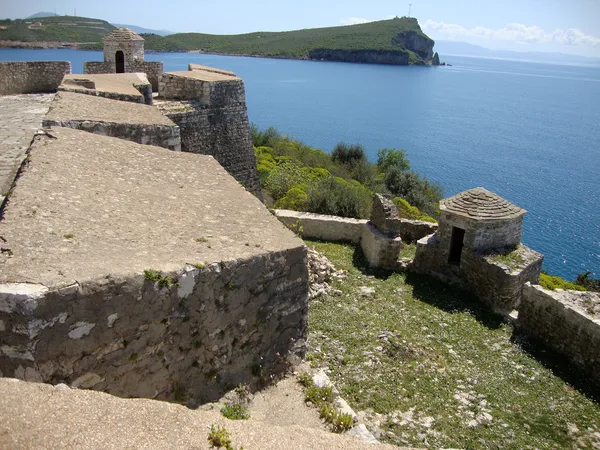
(566, 321)
(32, 76)
(124, 53)
(477, 245)
(210, 109)
(131, 121)
(144, 272)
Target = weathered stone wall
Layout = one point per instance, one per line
(111, 95)
(334, 228)
(380, 249)
(133, 50)
(321, 226)
(152, 69)
(221, 130)
(159, 135)
(228, 323)
(227, 91)
(561, 320)
(32, 76)
(497, 284)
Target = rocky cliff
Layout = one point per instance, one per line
(418, 43)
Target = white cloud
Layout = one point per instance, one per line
(354, 21)
(514, 32)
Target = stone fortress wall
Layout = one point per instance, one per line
(566, 321)
(152, 69)
(32, 76)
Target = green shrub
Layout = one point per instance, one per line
(235, 411)
(590, 284)
(339, 421)
(319, 395)
(338, 197)
(553, 282)
(219, 437)
(407, 211)
(295, 199)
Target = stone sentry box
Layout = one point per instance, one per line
(478, 245)
(124, 53)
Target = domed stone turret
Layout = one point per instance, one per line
(481, 204)
(123, 47)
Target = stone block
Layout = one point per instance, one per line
(381, 250)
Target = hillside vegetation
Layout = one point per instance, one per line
(381, 36)
(55, 29)
(342, 183)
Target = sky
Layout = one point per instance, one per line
(568, 26)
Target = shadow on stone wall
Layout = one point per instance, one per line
(558, 364)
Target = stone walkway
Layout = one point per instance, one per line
(20, 117)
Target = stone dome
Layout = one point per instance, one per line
(123, 34)
(480, 204)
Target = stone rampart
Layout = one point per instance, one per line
(32, 76)
(126, 87)
(567, 321)
(215, 124)
(143, 272)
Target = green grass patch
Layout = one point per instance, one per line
(156, 277)
(235, 411)
(509, 257)
(440, 368)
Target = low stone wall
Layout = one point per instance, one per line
(334, 228)
(32, 76)
(152, 69)
(321, 226)
(567, 321)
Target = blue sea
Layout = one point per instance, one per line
(527, 131)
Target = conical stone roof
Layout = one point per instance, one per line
(123, 34)
(481, 204)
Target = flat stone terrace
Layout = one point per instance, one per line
(70, 106)
(206, 74)
(87, 206)
(119, 84)
(20, 117)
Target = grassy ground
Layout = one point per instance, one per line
(428, 366)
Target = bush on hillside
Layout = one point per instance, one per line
(338, 197)
(407, 211)
(553, 282)
(590, 284)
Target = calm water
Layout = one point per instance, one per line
(529, 132)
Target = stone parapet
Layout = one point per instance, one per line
(32, 76)
(152, 69)
(128, 87)
(211, 89)
(566, 321)
(321, 226)
(144, 272)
